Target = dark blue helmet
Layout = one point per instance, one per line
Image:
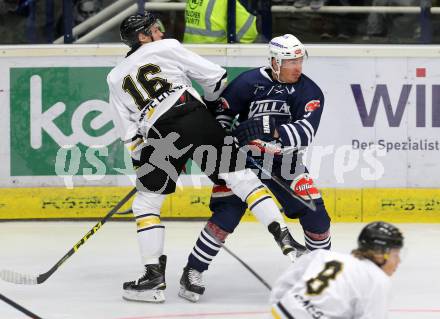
(134, 24)
(380, 236)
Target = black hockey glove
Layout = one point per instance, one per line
(259, 133)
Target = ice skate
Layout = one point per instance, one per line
(191, 284)
(289, 246)
(150, 287)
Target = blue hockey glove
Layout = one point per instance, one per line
(258, 133)
(262, 127)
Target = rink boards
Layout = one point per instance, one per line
(344, 205)
(375, 155)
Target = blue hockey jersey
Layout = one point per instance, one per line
(296, 107)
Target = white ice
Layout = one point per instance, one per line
(88, 285)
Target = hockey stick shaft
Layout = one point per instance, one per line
(18, 307)
(253, 272)
(89, 234)
(18, 278)
(310, 204)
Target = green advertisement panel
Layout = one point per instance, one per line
(61, 111)
(60, 121)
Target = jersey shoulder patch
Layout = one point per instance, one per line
(312, 105)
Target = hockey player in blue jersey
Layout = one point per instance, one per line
(278, 109)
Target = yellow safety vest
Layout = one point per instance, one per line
(206, 22)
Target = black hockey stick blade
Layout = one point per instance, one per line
(26, 279)
(18, 307)
(253, 272)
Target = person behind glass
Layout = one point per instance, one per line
(314, 4)
(328, 284)
(82, 10)
(378, 24)
(164, 123)
(207, 22)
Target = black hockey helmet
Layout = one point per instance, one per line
(380, 236)
(134, 24)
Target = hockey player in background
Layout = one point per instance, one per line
(279, 110)
(328, 285)
(163, 121)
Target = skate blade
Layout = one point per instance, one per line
(296, 253)
(188, 295)
(153, 295)
(292, 256)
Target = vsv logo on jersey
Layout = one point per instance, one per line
(312, 105)
(268, 107)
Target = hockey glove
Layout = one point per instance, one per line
(258, 133)
(273, 147)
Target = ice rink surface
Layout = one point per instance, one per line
(88, 285)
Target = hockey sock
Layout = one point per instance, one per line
(150, 235)
(246, 185)
(261, 204)
(150, 232)
(206, 247)
(317, 241)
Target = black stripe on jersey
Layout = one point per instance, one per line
(259, 201)
(284, 311)
(219, 82)
(152, 227)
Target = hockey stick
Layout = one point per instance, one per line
(18, 278)
(18, 307)
(310, 204)
(129, 211)
(253, 272)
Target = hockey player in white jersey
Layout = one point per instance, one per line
(330, 285)
(164, 121)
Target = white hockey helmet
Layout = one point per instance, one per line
(285, 47)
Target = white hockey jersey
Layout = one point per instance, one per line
(148, 82)
(330, 285)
